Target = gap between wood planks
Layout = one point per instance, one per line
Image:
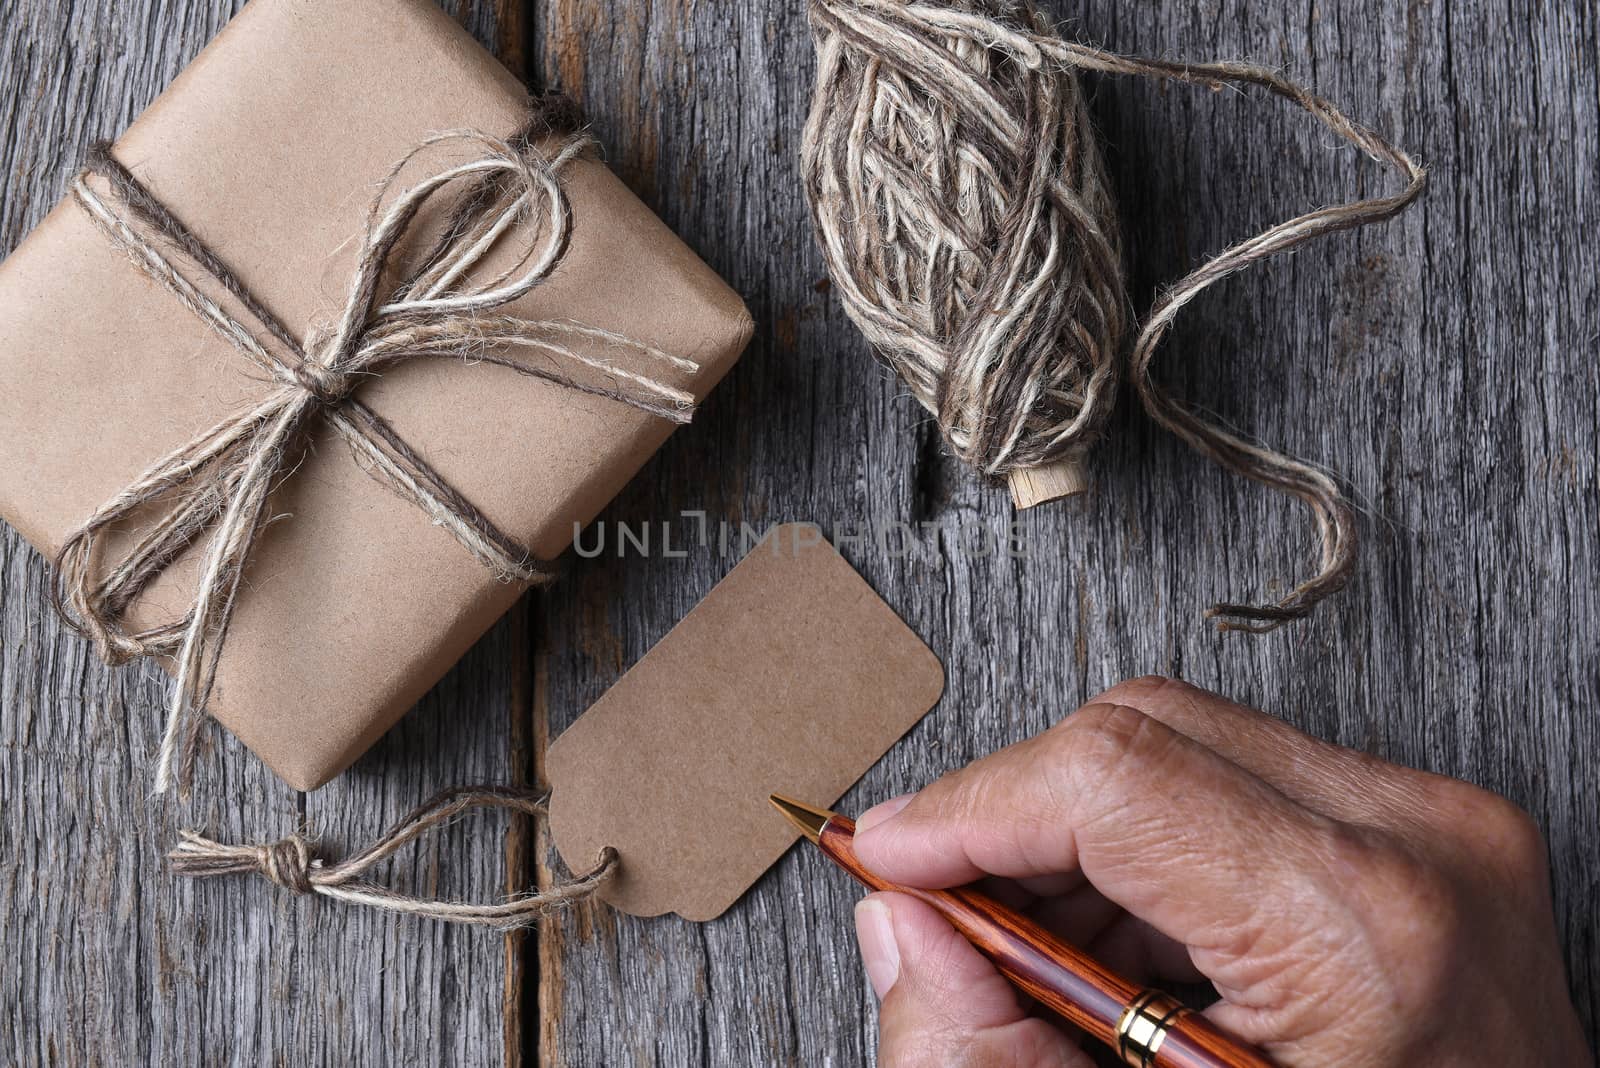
(525, 744)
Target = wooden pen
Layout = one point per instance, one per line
(1147, 1028)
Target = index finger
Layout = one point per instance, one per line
(1163, 826)
(1343, 783)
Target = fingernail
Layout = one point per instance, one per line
(879, 813)
(879, 953)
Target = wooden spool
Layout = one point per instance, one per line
(1036, 485)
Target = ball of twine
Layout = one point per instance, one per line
(963, 209)
(969, 229)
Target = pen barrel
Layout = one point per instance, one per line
(1147, 1028)
(1054, 973)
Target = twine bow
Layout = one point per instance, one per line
(221, 481)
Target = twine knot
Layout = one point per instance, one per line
(328, 387)
(287, 862)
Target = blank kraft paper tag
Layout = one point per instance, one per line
(791, 677)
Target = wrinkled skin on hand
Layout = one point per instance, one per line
(1348, 911)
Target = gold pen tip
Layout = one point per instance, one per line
(809, 820)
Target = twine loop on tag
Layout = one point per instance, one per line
(969, 228)
(217, 486)
(289, 863)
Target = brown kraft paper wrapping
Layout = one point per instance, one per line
(270, 147)
(792, 677)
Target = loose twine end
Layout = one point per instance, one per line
(291, 863)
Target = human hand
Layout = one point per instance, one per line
(1347, 910)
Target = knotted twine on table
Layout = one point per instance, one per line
(289, 863)
(222, 480)
(967, 222)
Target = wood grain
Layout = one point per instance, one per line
(1446, 363)
(108, 957)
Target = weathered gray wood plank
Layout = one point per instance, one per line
(108, 957)
(1446, 363)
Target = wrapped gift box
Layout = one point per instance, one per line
(270, 146)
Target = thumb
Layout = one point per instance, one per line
(944, 1004)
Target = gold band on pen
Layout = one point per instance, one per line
(1143, 1026)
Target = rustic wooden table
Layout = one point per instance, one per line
(1446, 363)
